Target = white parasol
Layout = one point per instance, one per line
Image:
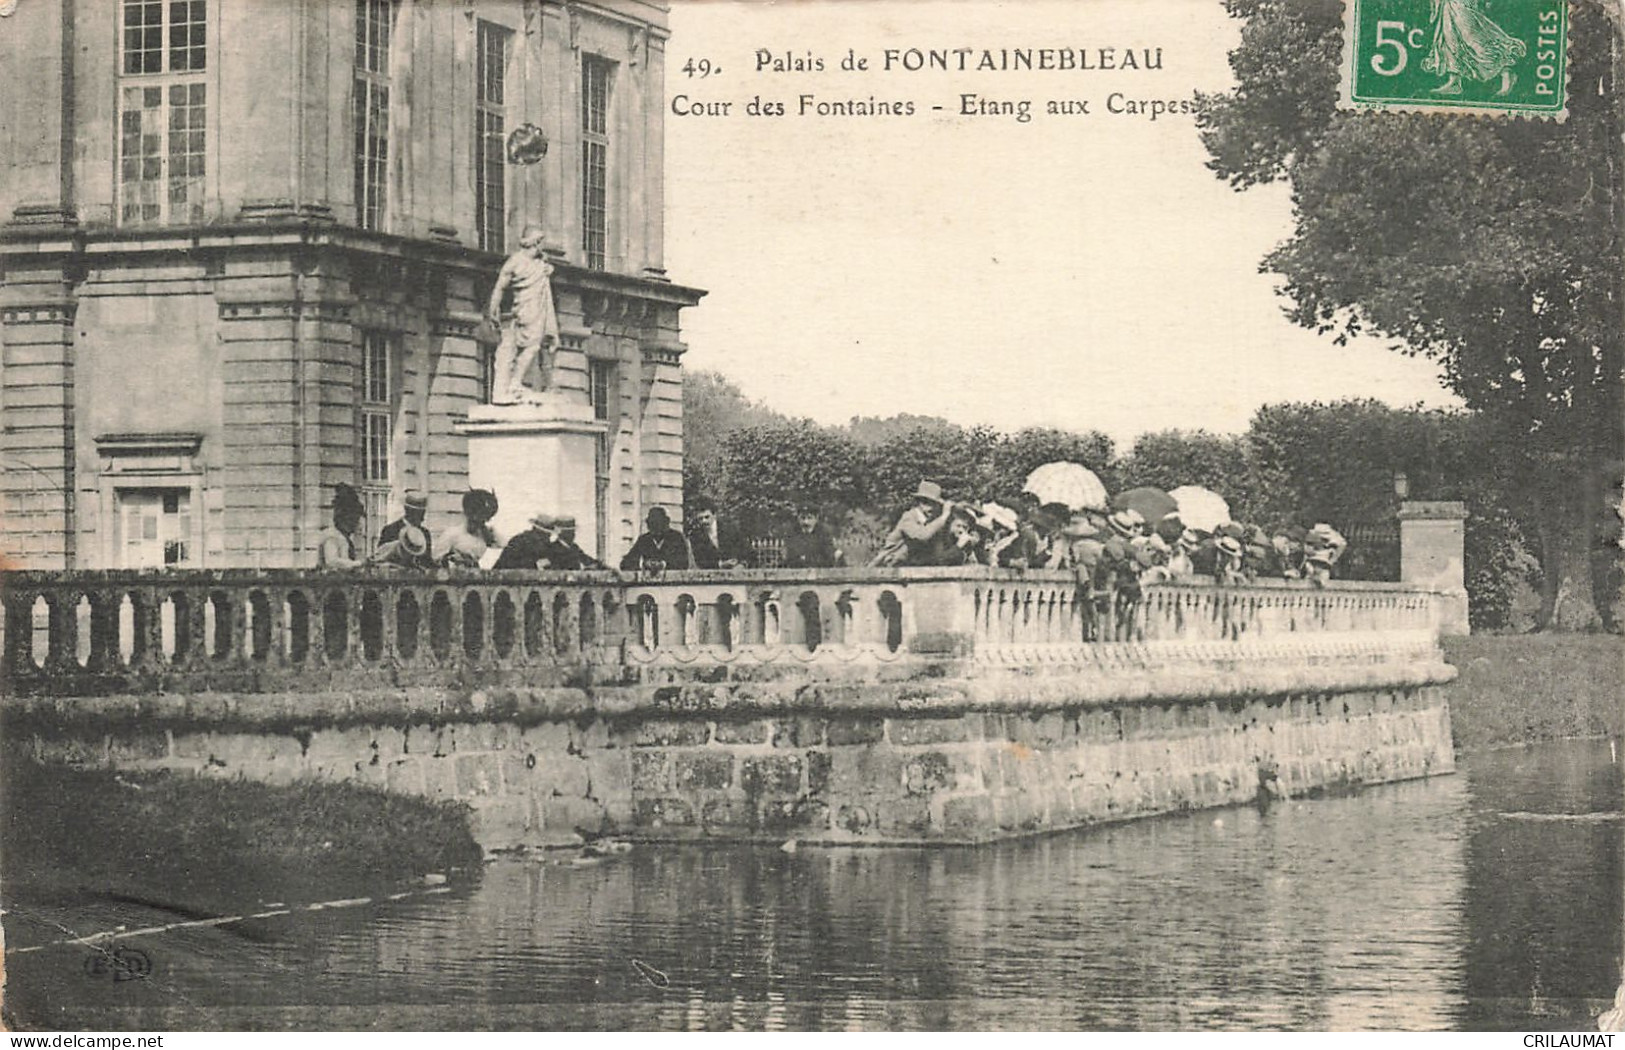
(1070, 483)
(1199, 508)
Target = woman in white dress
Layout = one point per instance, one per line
(464, 544)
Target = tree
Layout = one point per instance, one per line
(1227, 465)
(1489, 246)
(713, 407)
(768, 469)
(960, 459)
(1336, 463)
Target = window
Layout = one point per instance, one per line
(490, 93)
(163, 111)
(154, 528)
(374, 31)
(375, 436)
(595, 86)
(601, 388)
(604, 391)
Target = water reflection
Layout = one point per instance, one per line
(1411, 906)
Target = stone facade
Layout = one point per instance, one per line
(213, 309)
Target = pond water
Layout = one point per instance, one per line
(1486, 900)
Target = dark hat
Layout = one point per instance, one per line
(1296, 533)
(480, 504)
(416, 500)
(345, 497)
(1232, 530)
(658, 514)
(701, 504)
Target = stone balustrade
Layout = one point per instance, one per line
(873, 706)
(95, 633)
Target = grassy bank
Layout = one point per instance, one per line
(1517, 689)
(206, 845)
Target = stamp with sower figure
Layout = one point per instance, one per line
(1463, 56)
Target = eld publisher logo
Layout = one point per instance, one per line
(120, 964)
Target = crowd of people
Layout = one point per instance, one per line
(1109, 548)
(549, 541)
(1113, 554)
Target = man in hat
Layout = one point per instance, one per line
(1003, 529)
(1288, 546)
(661, 547)
(535, 328)
(336, 546)
(961, 542)
(415, 506)
(1258, 557)
(912, 540)
(1117, 575)
(1227, 568)
(811, 546)
(408, 550)
(530, 549)
(713, 546)
(565, 555)
(1323, 546)
(1085, 549)
(1179, 559)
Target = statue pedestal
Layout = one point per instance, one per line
(538, 459)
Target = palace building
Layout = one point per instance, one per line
(246, 247)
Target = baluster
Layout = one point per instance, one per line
(197, 638)
(566, 632)
(62, 633)
(533, 629)
(19, 660)
(772, 618)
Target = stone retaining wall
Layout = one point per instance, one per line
(877, 778)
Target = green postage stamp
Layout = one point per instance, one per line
(1461, 56)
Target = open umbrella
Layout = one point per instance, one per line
(1201, 509)
(1070, 483)
(1153, 504)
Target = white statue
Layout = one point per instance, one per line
(535, 328)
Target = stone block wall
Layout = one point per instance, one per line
(856, 777)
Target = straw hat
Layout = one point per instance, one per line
(1126, 522)
(929, 490)
(413, 540)
(1001, 515)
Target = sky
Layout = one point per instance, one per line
(1081, 271)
